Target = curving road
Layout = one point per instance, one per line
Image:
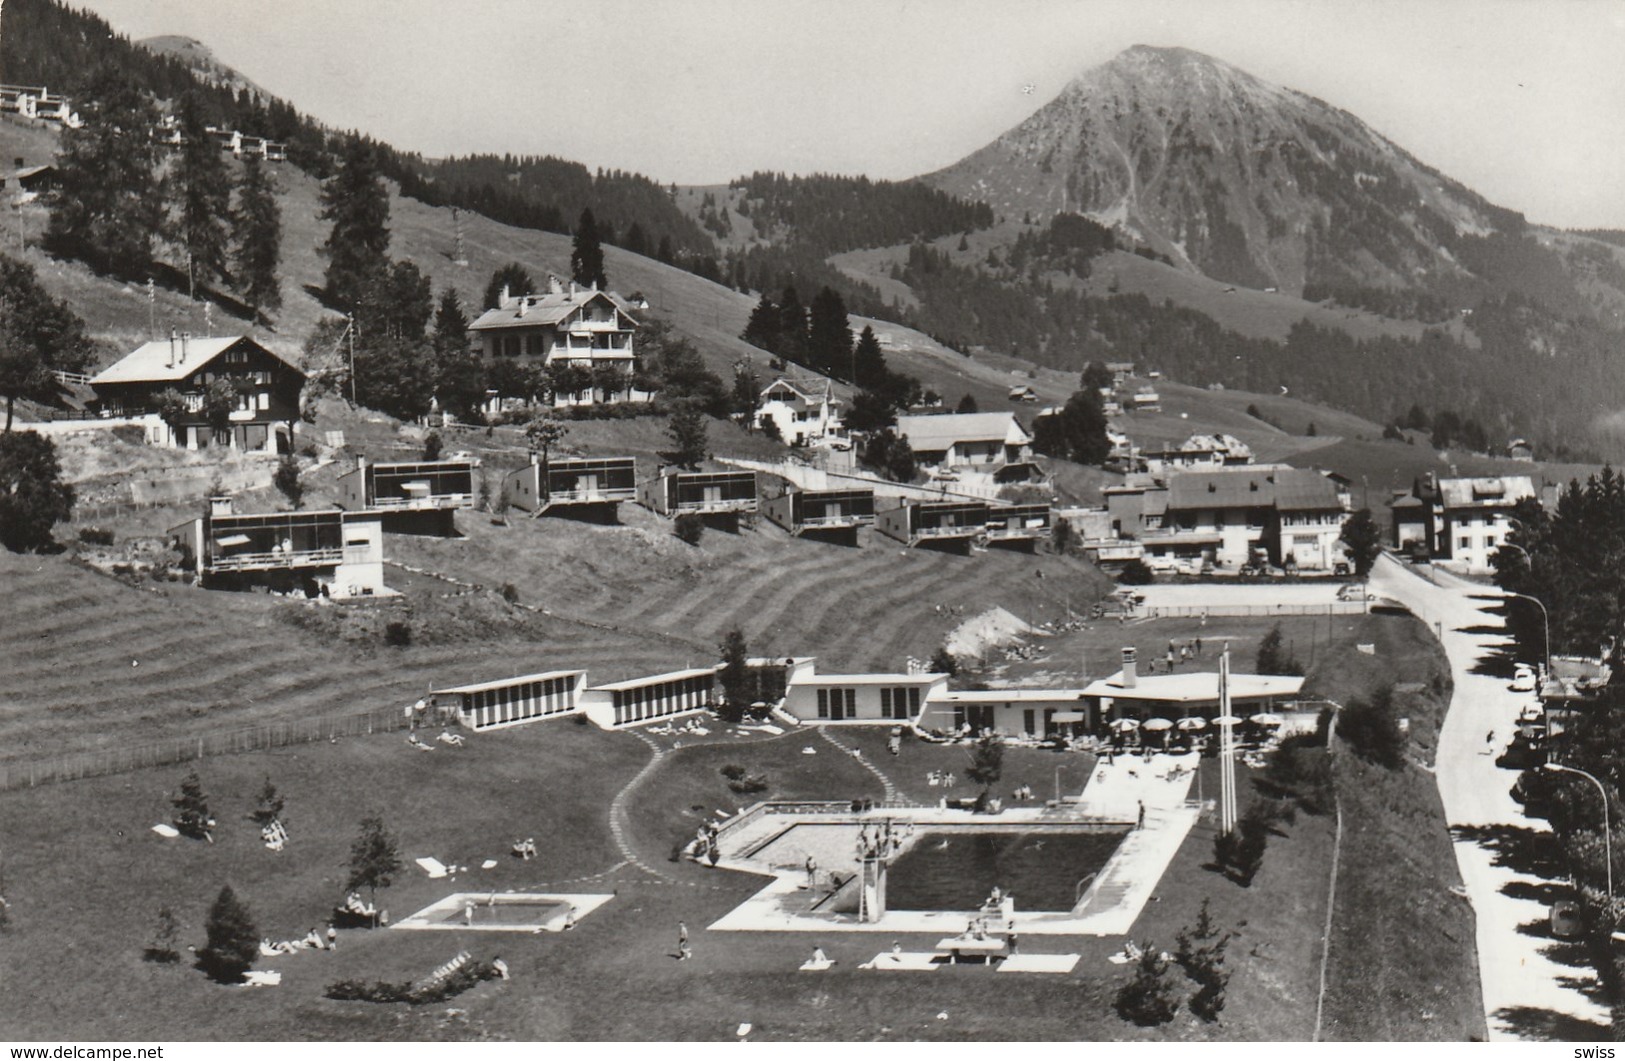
(1534, 987)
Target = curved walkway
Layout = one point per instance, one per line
(617, 807)
(1529, 995)
(892, 794)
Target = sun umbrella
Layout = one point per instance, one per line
(1125, 725)
(1227, 720)
(1157, 725)
(1264, 718)
(1192, 723)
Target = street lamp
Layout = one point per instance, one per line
(1607, 841)
(1545, 617)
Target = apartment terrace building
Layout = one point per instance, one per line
(332, 552)
(914, 523)
(410, 495)
(574, 484)
(673, 492)
(821, 512)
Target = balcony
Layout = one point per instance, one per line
(591, 495)
(838, 522)
(737, 504)
(965, 531)
(422, 504)
(1005, 534)
(325, 557)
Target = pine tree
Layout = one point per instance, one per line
(258, 222)
(870, 364)
(459, 380)
(587, 253)
(637, 241)
(270, 804)
(286, 479)
(201, 187)
(38, 333)
(763, 328)
(688, 434)
(233, 941)
(357, 203)
(967, 404)
(829, 336)
(192, 816)
(107, 207)
(738, 683)
(1148, 999)
(513, 277)
(792, 327)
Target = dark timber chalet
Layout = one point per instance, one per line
(674, 493)
(824, 512)
(410, 495)
(265, 405)
(574, 484)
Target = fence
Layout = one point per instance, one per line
(17, 775)
(1195, 611)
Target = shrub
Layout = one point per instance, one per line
(748, 784)
(1136, 573)
(1201, 954)
(432, 446)
(95, 536)
(1274, 657)
(165, 931)
(1371, 729)
(690, 527)
(413, 993)
(192, 816)
(510, 593)
(1148, 999)
(233, 940)
(398, 634)
(733, 771)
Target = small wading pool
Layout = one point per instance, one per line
(957, 868)
(508, 912)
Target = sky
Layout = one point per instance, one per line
(1521, 100)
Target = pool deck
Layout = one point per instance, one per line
(441, 916)
(1125, 884)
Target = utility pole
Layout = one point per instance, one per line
(458, 257)
(351, 332)
(152, 312)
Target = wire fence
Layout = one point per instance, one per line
(125, 759)
(1194, 611)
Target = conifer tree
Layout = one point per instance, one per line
(258, 221)
(192, 815)
(233, 940)
(515, 278)
(587, 253)
(763, 328)
(459, 381)
(200, 186)
(688, 434)
(829, 336)
(106, 207)
(355, 200)
(869, 363)
(792, 326)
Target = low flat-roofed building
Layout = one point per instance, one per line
(672, 492)
(1019, 523)
(341, 552)
(640, 700)
(917, 522)
(1010, 712)
(812, 511)
(513, 701)
(861, 698)
(574, 482)
(1190, 694)
(405, 491)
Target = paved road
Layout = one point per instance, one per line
(1527, 994)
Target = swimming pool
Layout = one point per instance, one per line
(507, 911)
(956, 868)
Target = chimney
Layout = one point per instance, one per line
(18, 162)
(171, 362)
(186, 337)
(220, 505)
(1131, 678)
(594, 287)
(553, 285)
(572, 290)
(524, 304)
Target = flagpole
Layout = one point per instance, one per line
(1227, 751)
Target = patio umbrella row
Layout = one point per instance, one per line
(1158, 725)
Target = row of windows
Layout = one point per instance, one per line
(666, 698)
(899, 703)
(837, 703)
(511, 703)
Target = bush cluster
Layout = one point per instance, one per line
(413, 994)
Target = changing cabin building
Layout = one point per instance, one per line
(264, 400)
(949, 523)
(410, 495)
(860, 698)
(673, 492)
(574, 484)
(579, 327)
(640, 700)
(332, 551)
(1193, 694)
(822, 512)
(513, 701)
(1009, 712)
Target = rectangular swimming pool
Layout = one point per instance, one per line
(956, 868)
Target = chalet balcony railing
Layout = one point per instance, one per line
(739, 504)
(433, 501)
(270, 561)
(602, 493)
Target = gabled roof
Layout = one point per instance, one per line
(1485, 492)
(933, 433)
(810, 391)
(549, 307)
(160, 361)
(1252, 486)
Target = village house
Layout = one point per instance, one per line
(860, 698)
(1145, 400)
(564, 328)
(1198, 451)
(1463, 521)
(970, 440)
(1121, 371)
(828, 512)
(512, 701)
(36, 102)
(410, 495)
(801, 411)
(577, 484)
(261, 392)
(673, 493)
(328, 552)
(642, 700)
(1233, 516)
(24, 184)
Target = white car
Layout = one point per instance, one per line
(1523, 679)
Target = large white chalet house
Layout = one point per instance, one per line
(565, 326)
(803, 410)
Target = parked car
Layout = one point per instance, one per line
(1523, 679)
(1352, 591)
